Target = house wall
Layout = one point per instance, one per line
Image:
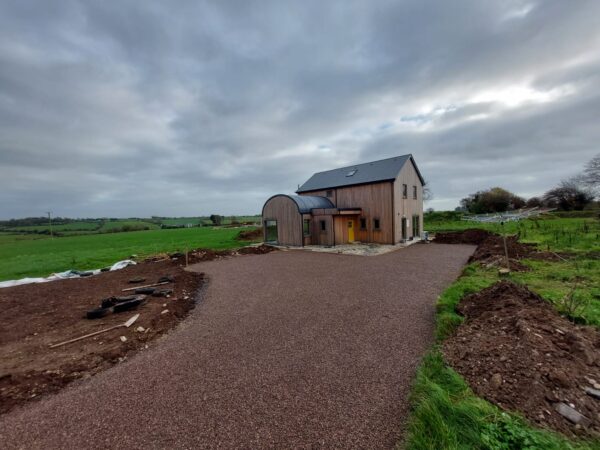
(375, 200)
(319, 237)
(406, 208)
(289, 220)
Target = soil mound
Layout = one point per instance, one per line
(259, 250)
(251, 235)
(490, 248)
(516, 351)
(474, 236)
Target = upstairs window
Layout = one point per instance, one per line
(351, 172)
(376, 224)
(306, 227)
(329, 193)
(363, 223)
(404, 191)
(415, 192)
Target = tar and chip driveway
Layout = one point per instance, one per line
(285, 350)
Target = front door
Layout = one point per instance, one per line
(351, 231)
(416, 230)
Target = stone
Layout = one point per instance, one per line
(571, 414)
(560, 378)
(123, 339)
(596, 385)
(551, 397)
(592, 392)
(140, 329)
(164, 311)
(496, 381)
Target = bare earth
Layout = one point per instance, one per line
(289, 349)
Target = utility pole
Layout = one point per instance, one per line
(50, 221)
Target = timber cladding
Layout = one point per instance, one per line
(284, 210)
(376, 202)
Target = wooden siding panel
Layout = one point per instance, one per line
(375, 200)
(405, 208)
(289, 220)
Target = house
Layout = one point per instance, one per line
(379, 201)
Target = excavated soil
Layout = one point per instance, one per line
(516, 351)
(490, 248)
(251, 235)
(37, 315)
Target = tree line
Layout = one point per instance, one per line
(573, 194)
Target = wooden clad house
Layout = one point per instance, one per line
(379, 201)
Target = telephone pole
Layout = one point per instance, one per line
(50, 221)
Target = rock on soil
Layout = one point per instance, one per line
(490, 248)
(516, 351)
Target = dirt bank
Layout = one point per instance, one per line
(516, 351)
(490, 248)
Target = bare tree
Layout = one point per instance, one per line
(590, 178)
(427, 192)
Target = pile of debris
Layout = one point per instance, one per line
(251, 235)
(204, 254)
(490, 248)
(516, 351)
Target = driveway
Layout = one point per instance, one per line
(286, 350)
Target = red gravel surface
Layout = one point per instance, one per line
(286, 350)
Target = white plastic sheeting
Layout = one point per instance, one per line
(64, 275)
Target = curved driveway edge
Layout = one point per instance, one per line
(286, 350)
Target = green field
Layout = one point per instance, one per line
(38, 255)
(445, 412)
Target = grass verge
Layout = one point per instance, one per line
(446, 414)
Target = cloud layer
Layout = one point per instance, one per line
(187, 108)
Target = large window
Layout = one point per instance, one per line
(404, 191)
(415, 192)
(271, 231)
(306, 227)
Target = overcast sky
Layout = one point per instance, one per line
(138, 108)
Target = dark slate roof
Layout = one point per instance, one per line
(307, 202)
(371, 172)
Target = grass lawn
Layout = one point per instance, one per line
(446, 414)
(38, 255)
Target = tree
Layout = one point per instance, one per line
(216, 219)
(590, 178)
(534, 202)
(427, 192)
(568, 197)
(493, 200)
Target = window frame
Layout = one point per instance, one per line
(362, 223)
(404, 190)
(415, 196)
(329, 193)
(323, 226)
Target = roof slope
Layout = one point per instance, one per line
(307, 202)
(371, 172)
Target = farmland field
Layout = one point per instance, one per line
(38, 255)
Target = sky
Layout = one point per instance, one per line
(132, 109)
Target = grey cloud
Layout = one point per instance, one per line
(200, 107)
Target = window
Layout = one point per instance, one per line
(323, 225)
(404, 191)
(270, 230)
(376, 224)
(363, 223)
(351, 173)
(415, 192)
(306, 227)
(329, 193)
